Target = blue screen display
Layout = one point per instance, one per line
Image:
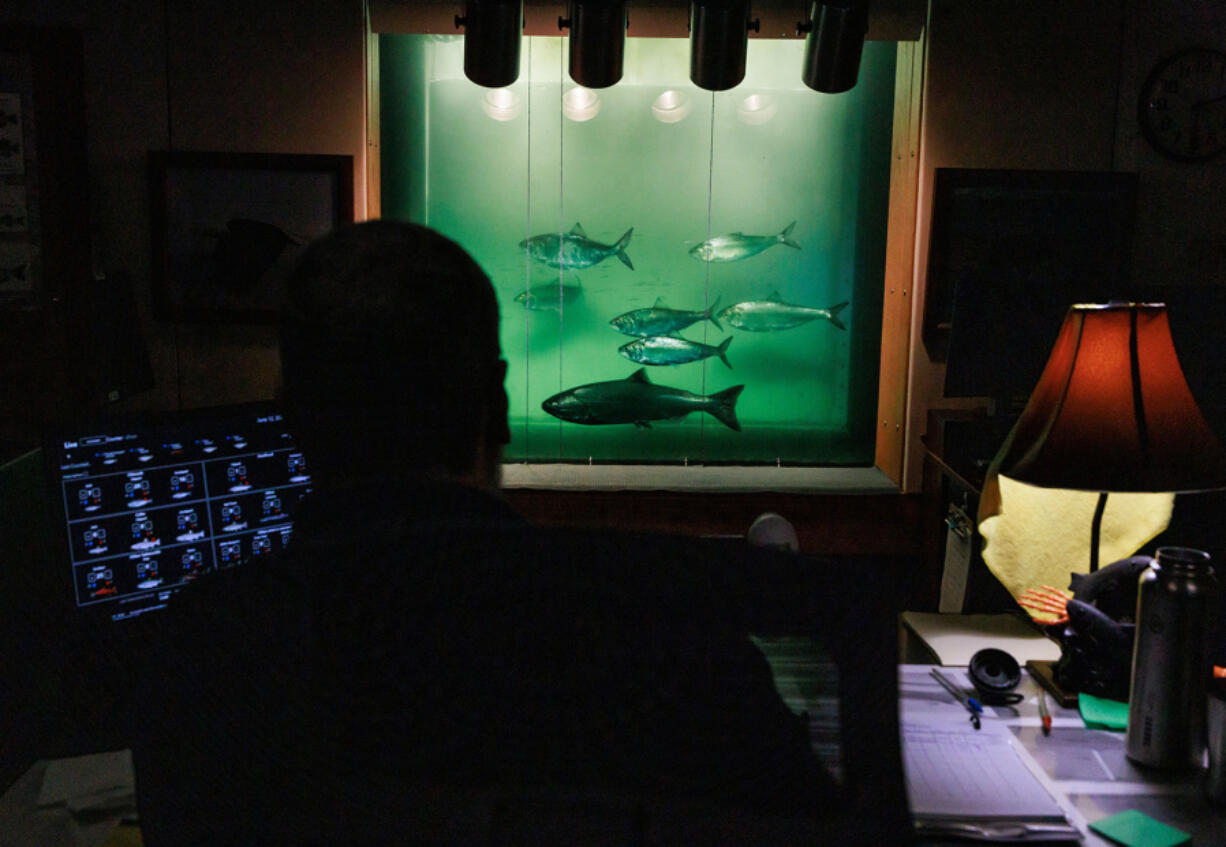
(148, 509)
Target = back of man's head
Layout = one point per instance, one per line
(389, 355)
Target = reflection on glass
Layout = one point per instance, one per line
(756, 109)
(580, 104)
(671, 106)
(501, 104)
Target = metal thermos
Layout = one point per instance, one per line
(1215, 777)
(1166, 709)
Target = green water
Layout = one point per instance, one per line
(491, 169)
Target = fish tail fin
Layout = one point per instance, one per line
(834, 314)
(709, 314)
(723, 348)
(785, 237)
(722, 406)
(620, 248)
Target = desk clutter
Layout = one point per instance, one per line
(1014, 780)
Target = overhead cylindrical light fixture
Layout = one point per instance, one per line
(492, 33)
(835, 40)
(597, 41)
(719, 37)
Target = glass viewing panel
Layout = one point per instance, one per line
(684, 277)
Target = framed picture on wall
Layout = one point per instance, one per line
(227, 227)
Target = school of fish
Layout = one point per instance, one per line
(657, 329)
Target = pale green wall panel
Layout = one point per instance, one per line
(491, 169)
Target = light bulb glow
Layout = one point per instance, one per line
(580, 104)
(671, 106)
(501, 104)
(757, 109)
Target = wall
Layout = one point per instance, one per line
(1054, 86)
(1036, 84)
(219, 76)
(1182, 239)
(1042, 95)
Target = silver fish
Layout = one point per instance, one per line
(736, 245)
(661, 321)
(574, 250)
(550, 296)
(637, 400)
(671, 350)
(772, 314)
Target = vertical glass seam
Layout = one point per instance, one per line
(528, 265)
(561, 208)
(702, 422)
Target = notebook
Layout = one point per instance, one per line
(973, 784)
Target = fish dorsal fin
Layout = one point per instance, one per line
(774, 296)
(639, 376)
(659, 303)
(577, 229)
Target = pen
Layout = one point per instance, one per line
(1044, 715)
(972, 705)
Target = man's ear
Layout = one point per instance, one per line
(497, 428)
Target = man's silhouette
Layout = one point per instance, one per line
(418, 641)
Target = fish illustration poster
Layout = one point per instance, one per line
(19, 274)
(12, 148)
(684, 277)
(14, 210)
(232, 232)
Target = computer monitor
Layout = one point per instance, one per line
(143, 507)
(1010, 251)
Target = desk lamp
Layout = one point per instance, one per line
(1113, 412)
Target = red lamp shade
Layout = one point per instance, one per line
(1113, 411)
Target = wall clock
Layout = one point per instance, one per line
(1182, 108)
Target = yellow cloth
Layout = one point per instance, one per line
(1042, 535)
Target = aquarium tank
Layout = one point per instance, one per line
(684, 277)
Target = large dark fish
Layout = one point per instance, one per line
(736, 245)
(772, 313)
(661, 321)
(638, 401)
(574, 250)
(672, 350)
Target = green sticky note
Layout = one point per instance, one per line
(1100, 713)
(1137, 829)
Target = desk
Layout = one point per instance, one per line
(1087, 769)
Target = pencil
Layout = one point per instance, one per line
(1044, 715)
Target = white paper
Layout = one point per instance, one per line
(955, 638)
(81, 777)
(955, 771)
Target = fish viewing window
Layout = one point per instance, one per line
(684, 277)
